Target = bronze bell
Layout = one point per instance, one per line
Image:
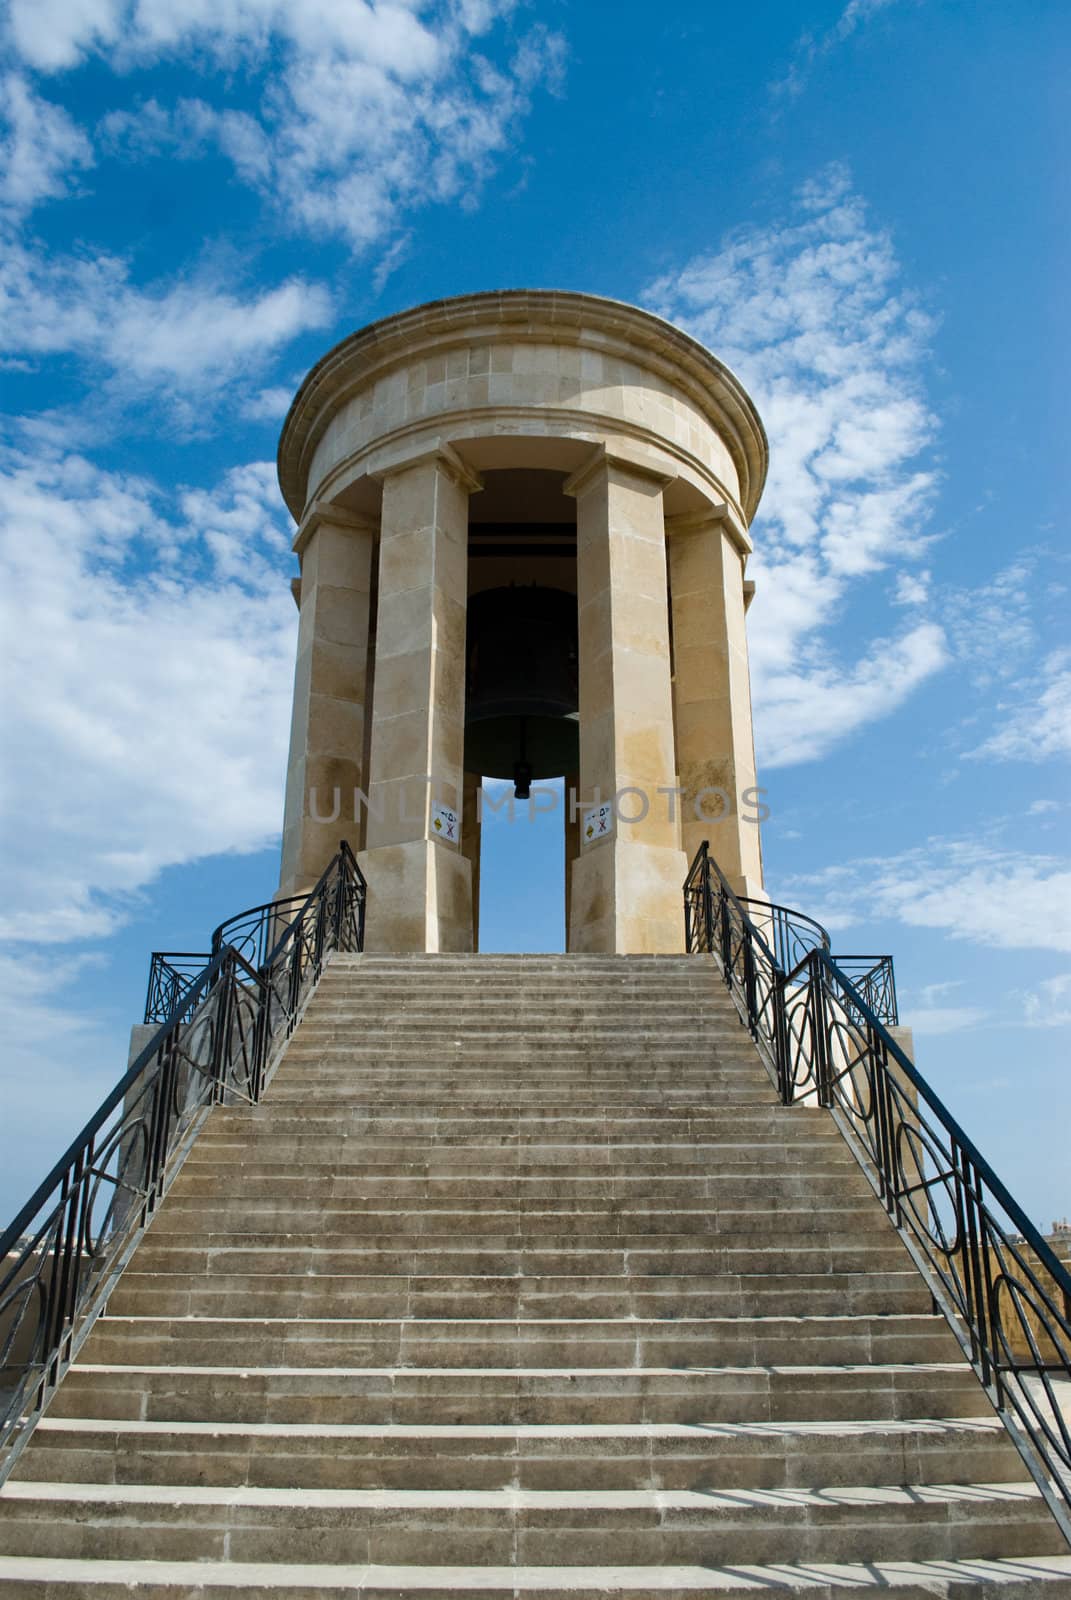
(521, 701)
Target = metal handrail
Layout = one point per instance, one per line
(62, 1254)
(824, 1044)
(789, 933)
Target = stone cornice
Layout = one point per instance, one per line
(575, 425)
(535, 315)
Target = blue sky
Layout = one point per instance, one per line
(862, 207)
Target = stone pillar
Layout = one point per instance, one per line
(471, 841)
(327, 727)
(712, 696)
(419, 882)
(625, 894)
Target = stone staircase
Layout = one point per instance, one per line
(521, 1282)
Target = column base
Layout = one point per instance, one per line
(627, 899)
(419, 899)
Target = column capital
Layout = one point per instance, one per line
(445, 456)
(717, 512)
(639, 462)
(685, 521)
(319, 512)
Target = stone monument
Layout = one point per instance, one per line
(523, 530)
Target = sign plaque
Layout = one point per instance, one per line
(598, 824)
(445, 824)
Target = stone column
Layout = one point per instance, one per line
(712, 696)
(327, 727)
(419, 883)
(625, 893)
(471, 841)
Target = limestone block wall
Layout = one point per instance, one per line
(595, 396)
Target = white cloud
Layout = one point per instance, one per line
(55, 1057)
(365, 110)
(1037, 724)
(912, 588)
(811, 48)
(1043, 808)
(991, 627)
(811, 314)
(805, 714)
(268, 405)
(926, 1012)
(160, 650)
(1049, 1005)
(189, 335)
(55, 34)
(41, 148)
(934, 1020)
(970, 889)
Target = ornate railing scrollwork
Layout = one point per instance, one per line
(217, 1044)
(822, 1028)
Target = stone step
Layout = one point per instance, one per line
(572, 1259)
(726, 1117)
(383, 1079)
(698, 1027)
(31, 1578)
(404, 1064)
(266, 1154)
(609, 1220)
(702, 1029)
(788, 1392)
(623, 1047)
(530, 1526)
(500, 1098)
(259, 1158)
(536, 997)
(532, 1342)
(433, 1124)
(759, 1455)
(768, 1188)
(552, 1001)
(521, 1267)
(350, 962)
(156, 1293)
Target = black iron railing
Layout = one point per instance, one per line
(172, 976)
(228, 1022)
(1005, 1293)
(253, 933)
(875, 980)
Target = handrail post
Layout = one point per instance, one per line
(259, 1046)
(297, 950)
(749, 981)
(221, 1032)
(781, 1041)
(708, 897)
(823, 1073)
(881, 1089)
